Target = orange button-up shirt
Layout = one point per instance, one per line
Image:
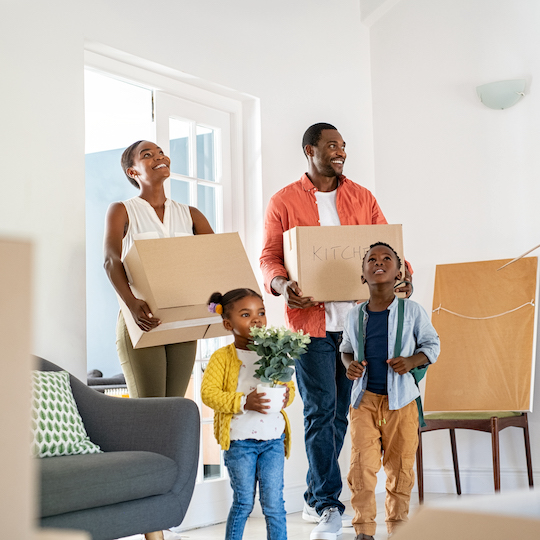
(296, 205)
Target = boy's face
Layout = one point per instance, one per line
(380, 266)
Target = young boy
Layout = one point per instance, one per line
(383, 412)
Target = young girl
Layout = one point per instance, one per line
(383, 412)
(255, 442)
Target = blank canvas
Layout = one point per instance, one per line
(485, 364)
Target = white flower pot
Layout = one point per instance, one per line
(275, 395)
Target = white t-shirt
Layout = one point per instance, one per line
(252, 424)
(336, 312)
(144, 222)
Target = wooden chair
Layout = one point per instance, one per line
(491, 422)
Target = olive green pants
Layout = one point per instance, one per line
(162, 371)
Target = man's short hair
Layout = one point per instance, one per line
(313, 134)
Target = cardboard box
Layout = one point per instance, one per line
(327, 261)
(176, 276)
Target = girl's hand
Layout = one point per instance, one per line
(285, 397)
(355, 370)
(256, 402)
(142, 315)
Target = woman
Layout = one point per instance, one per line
(164, 370)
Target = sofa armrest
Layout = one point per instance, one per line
(167, 426)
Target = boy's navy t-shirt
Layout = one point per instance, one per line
(376, 351)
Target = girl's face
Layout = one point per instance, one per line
(149, 163)
(243, 314)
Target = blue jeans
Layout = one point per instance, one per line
(248, 462)
(326, 393)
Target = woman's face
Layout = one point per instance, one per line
(150, 164)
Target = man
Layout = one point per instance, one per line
(323, 196)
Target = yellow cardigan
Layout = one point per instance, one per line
(218, 391)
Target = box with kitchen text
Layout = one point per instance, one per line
(327, 261)
(176, 276)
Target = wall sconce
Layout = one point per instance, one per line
(501, 94)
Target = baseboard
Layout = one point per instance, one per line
(474, 481)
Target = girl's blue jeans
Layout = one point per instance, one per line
(248, 462)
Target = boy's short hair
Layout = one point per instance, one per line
(385, 245)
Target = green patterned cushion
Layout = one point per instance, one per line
(57, 426)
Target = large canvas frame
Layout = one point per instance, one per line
(487, 320)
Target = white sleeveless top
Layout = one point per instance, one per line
(144, 222)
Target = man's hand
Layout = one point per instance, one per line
(355, 370)
(292, 294)
(407, 288)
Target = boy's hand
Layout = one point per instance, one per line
(355, 370)
(401, 365)
(257, 402)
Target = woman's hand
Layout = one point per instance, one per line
(142, 315)
(256, 402)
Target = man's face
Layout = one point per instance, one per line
(329, 154)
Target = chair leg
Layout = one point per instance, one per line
(528, 452)
(455, 460)
(495, 448)
(420, 469)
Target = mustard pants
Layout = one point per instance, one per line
(162, 371)
(377, 432)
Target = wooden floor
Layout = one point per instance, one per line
(297, 528)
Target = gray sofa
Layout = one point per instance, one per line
(144, 479)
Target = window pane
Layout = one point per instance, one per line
(180, 191)
(116, 113)
(211, 453)
(206, 203)
(205, 154)
(179, 144)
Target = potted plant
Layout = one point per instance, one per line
(278, 349)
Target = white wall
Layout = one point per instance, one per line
(42, 175)
(303, 70)
(462, 178)
(306, 62)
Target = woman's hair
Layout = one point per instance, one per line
(127, 161)
(228, 300)
(385, 245)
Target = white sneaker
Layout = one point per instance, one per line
(346, 520)
(310, 514)
(329, 527)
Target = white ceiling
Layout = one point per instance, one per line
(372, 10)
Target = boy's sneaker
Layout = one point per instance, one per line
(310, 514)
(329, 527)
